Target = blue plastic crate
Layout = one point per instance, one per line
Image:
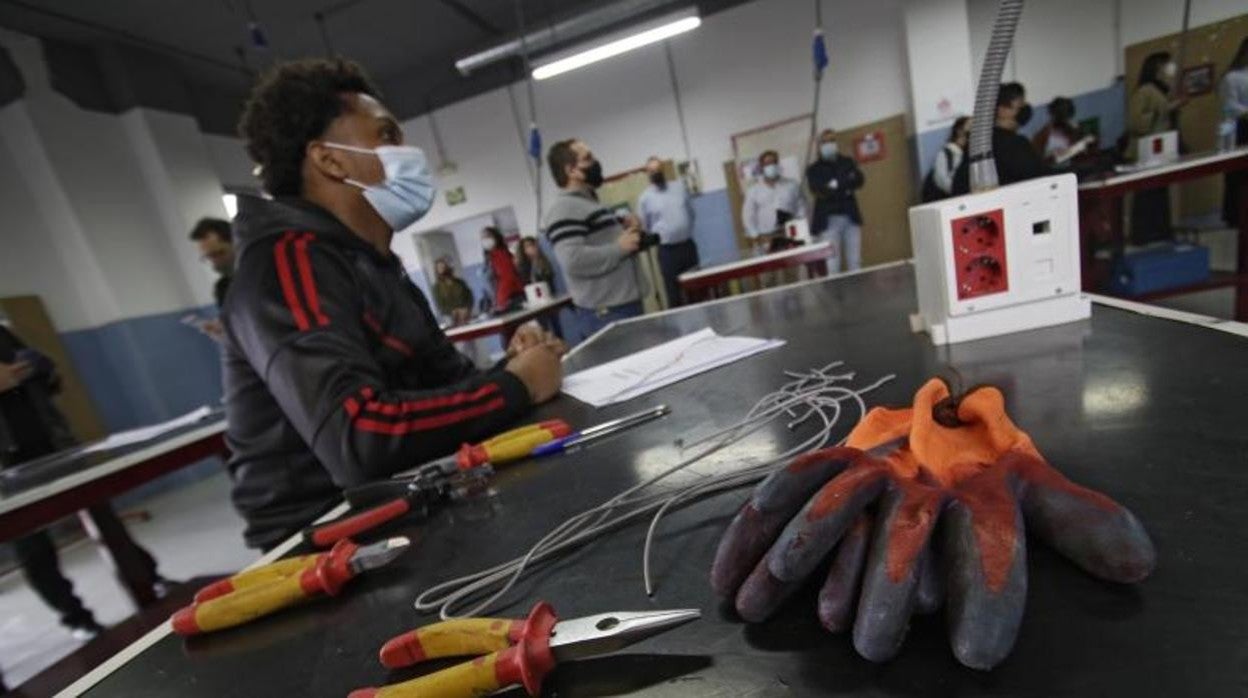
(1160, 269)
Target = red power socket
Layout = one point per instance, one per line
(979, 259)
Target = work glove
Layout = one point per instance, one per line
(957, 460)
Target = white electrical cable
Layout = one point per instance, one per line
(815, 390)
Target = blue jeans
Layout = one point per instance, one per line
(846, 238)
(590, 320)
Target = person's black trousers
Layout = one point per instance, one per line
(675, 260)
(42, 568)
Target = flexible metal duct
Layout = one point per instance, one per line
(983, 167)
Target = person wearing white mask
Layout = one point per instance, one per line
(1153, 108)
(833, 178)
(336, 371)
(772, 199)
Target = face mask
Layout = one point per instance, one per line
(1023, 115)
(488, 243)
(827, 150)
(771, 171)
(593, 174)
(406, 194)
(658, 179)
(1169, 70)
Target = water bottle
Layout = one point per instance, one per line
(1226, 135)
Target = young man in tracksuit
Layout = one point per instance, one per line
(596, 250)
(336, 371)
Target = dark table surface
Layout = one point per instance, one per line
(1147, 410)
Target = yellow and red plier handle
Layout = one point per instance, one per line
(514, 652)
(261, 591)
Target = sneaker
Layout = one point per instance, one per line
(86, 631)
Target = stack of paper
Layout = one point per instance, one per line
(649, 370)
(141, 434)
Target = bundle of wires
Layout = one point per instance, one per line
(814, 396)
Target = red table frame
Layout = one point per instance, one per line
(1100, 220)
(698, 288)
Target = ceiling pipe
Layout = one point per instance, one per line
(571, 29)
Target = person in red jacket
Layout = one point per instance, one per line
(500, 270)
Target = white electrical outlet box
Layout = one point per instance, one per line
(999, 261)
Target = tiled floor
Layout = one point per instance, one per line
(193, 531)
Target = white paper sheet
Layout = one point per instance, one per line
(656, 367)
(141, 434)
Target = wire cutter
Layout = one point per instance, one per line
(453, 477)
(258, 592)
(515, 651)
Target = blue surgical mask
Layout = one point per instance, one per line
(406, 194)
(827, 150)
(771, 171)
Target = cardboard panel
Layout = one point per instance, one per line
(32, 324)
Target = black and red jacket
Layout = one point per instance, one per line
(336, 372)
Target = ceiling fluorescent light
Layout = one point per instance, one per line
(615, 48)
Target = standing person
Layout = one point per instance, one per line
(500, 271)
(772, 198)
(1234, 93)
(336, 371)
(595, 249)
(533, 266)
(939, 181)
(216, 247)
(667, 211)
(31, 426)
(451, 294)
(1015, 158)
(1152, 110)
(1055, 141)
(833, 179)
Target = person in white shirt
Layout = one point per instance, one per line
(771, 194)
(1233, 91)
(939, 182)
(667, 211)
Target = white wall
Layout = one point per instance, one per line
(230, 162)
(103, 204)
(1068, 47)
(743, 68)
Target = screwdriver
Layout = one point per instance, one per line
(584, 436)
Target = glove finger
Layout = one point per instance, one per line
(771, 505)
(931, 592)
(807, 539)
(812, 534)
(840, 590)
(902, 531)
(1090, 529)
(985, 551)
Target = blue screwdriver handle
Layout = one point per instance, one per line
(552, 447)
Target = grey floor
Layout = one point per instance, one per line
(193, 531)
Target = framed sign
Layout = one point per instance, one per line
(1197, 80)
(869, 147)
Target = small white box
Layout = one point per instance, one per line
(537, 293)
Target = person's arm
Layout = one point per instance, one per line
(1230, 95)
(942, 170)
(646, 209)
(819, 180)
(579, 258)
(305, 335)
(799, 201)
(852, 179)
(1142, 114)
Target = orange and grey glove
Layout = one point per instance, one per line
(877, 500)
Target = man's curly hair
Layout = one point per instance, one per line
(293, 103)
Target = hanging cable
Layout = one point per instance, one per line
(983, 168)
(680, 109)
(535, 136)
(819, 56)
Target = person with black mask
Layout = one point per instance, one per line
(1014, 155)
(833, 178)
(667, 211)
(1152, 110)
(596, 250)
